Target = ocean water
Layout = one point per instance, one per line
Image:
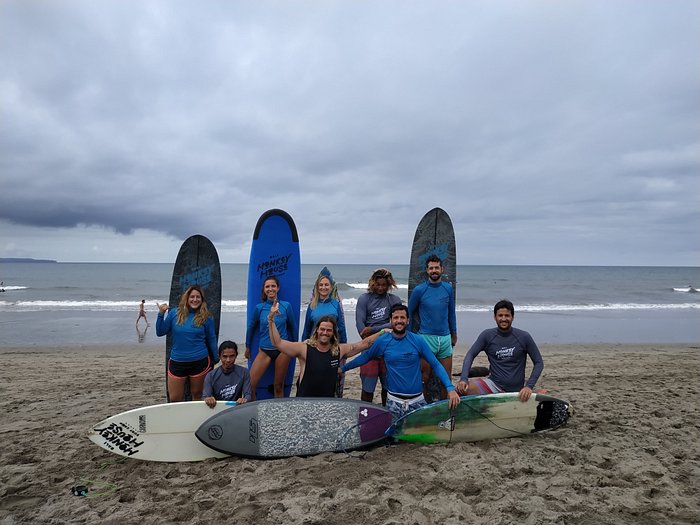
(88, 303)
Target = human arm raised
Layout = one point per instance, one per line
(163, 321)
(292, 349)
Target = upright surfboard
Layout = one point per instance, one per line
(197, 262)
(482, 417)
(434, 235)
(297, 426)
(158, 432)
(274, 252)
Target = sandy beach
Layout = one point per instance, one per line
(631, 453)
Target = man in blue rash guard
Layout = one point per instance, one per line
(402, 352)
(434, 301)
(507, 349)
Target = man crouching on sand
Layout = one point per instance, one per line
(228, 382)
(402, 352)
(507, 349)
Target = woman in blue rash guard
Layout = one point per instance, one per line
(194, 342)
(267, 353)
(325, 300)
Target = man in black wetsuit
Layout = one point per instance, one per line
(319, 355)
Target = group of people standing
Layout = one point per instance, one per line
(389, 352)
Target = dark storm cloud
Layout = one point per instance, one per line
(564, 126)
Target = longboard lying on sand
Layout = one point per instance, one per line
(158, 432)
(482, 417)
(298, 426)
(434, 235)
(274, 251)
(197, 263)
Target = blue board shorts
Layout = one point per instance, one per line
(441, 345)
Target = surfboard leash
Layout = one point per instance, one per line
(343, 438)
(87, 491)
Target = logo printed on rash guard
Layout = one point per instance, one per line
(505, 353)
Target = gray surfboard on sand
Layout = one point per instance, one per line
(283, 427)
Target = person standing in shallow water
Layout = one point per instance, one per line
(142, 313)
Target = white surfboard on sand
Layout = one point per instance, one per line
(163, 432)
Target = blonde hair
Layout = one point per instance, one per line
(183, 309)
(333, 294)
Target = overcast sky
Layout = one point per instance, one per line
(552, 132)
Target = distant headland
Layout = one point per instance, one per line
(25, 260)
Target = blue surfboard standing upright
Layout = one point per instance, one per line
(274, 251)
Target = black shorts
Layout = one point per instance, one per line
(184, 369)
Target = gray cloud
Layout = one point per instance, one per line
(553, 133)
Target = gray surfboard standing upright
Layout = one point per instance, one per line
(197, 262)
(434, 235)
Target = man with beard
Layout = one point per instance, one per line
(434, 301)
(402, 352)
(319, 355)
(507, 349)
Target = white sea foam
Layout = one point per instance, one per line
(349, 305)
(363, 286)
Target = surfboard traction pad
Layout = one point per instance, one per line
(312, 426)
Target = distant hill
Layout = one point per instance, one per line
(25, 260)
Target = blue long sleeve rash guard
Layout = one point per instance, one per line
(402, 357)
(190, 342)
(331, 307)
(284, 320)
(435, 303)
